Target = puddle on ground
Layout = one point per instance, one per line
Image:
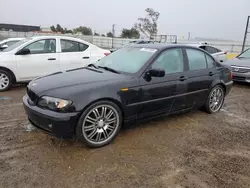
(29, 127)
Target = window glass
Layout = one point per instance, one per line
(171, 61)
(83, 47)
(42, 46)
(128, 60)
(245, 54)
(210, 62)
(69, 46)
(210, 49)
(196, 59)
(14, 46)
(11, 42)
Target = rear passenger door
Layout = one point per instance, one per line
(201, 74)
(73, 54)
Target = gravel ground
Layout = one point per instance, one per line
(188, 150)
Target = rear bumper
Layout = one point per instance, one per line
(58, 124)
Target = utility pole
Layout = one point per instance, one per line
(189, 35)
(113, 34)
(246, 32)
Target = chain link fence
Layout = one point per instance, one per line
(109, 43)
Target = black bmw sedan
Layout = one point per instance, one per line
(140, 81)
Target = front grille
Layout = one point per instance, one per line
(240, 69)
(32, 96)
(239, 78)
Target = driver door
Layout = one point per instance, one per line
(41, 61)
(165, 94)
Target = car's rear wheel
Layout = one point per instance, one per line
(215, 99)
(99, 124)
(5, 80)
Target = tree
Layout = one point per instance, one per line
(97, 34)
(103, 35)
(53, 28)
(67, 31)
(148, 25)
(84, 30)
(59, 28)
(130, 33)
(109, 34)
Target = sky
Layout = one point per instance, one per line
(222, 19)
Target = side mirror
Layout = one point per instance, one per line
(23, 51)
(3, 47)
(156, 72)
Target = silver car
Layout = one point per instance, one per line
(241, 67)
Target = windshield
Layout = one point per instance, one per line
(245, 54)
(12, 47)
(128, 60)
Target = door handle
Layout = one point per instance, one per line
(85, 57)
(52, 59)
(210, 73)
(183, 78)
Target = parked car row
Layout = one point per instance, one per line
(38, 56)
(80, 90)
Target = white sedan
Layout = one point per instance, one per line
(38, 56)
(8, 42)
(218, 54)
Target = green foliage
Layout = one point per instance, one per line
(97, 34)
(103, 35)
(148, 25)
(68, 31)
(58, 28)
(109, 34)
(130, 33)
(53, 28)
(84, 30)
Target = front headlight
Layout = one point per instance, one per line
(54, 104)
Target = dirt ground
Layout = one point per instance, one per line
(188, 150)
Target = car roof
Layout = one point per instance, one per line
(11, 39)
(161, 46)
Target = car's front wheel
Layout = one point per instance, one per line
(99, 124)
(215, 99)
(5, 80)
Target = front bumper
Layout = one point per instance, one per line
(61, 125)
(241, 77)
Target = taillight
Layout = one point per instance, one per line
(231, 75)
(106, 53)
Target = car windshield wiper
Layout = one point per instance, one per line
(93, 65)
(109, 69)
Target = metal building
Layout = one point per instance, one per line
(18, 28)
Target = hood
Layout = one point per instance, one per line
(238, 62)
(73, 77)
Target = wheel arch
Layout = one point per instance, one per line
(115, 101)
(10, 71)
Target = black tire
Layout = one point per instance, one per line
(81, 134)
(7, 75)
(208, 107)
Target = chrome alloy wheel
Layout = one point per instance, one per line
(216, 99)
(4, 81)
(100, 124)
